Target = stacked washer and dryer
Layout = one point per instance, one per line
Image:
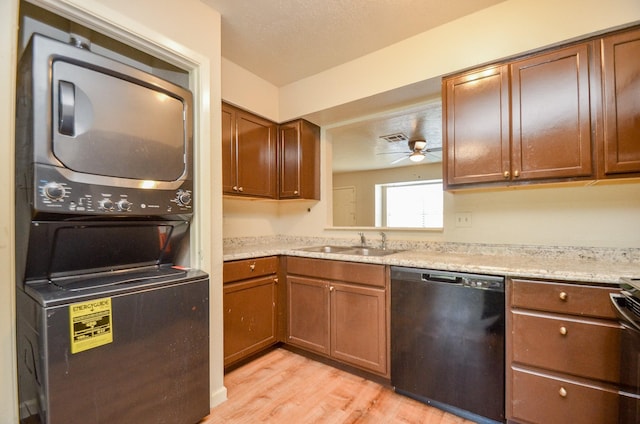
(110, 329)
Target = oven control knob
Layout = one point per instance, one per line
(106, 204)
(184, 198)
(54, 191)
(124, 205)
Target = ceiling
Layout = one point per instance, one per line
(283, 41)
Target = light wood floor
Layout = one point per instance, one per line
(283, 387)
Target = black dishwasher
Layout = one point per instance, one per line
(447, 340)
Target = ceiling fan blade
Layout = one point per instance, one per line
(432, 149)
(399, 160)
(394, 153)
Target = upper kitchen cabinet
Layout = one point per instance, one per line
(299, 160)
(248, 154)
(476, 126)
(263, 159)
(551, 115)
(522, 121)
(619, 152)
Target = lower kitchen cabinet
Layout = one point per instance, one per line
(250, 295)
(339, 309)
(563, 353)
(308, 313)
(545, 398)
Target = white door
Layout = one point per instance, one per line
(344, 206)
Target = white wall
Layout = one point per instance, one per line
(188, 32)
(242, 88)
(8, 44)
(599, 216)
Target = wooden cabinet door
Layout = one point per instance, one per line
(249, 317)
(255, 155)
(476, 129)
(551, 115)
(621, 91)
(229, 162)
(308, 314)
(299, 160)
(290, 153)
(358, 334)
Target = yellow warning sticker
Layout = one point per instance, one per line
(90, 324)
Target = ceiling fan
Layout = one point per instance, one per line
(418, 148)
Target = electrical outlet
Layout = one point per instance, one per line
(463, 219)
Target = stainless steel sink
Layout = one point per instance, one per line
(349, 250)
(368, 251)
(326, 249)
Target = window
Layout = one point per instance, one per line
(409, 204)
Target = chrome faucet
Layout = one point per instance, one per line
(363, 241)
(383, 243)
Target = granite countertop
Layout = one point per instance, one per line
(577, 264)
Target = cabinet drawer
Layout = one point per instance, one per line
(540, 398)
(574, 299)
(585, 348)
(249, 268)
(369, 274)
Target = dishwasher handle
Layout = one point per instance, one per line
(442, 278)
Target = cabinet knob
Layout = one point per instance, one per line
(562, 392)
(563, 296)
(506, 174)
(234, 188)
(331, 288)
(563, 330)
(516, 173)
(295, 192)
(252, 266)
(240, 189)
(275, 280)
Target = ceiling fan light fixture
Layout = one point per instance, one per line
(416, 157)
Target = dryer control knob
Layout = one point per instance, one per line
(184, 198)
(106, 204)
(54, 191)
(124, 205)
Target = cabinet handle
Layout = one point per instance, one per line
(240, 189)
(235, 188)
(564, 296)
(275, 280)
(562, 392)
(295, 192)
(506, 174)
(516, 173)
(563, 330)
(331, 288)
(252, 266)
